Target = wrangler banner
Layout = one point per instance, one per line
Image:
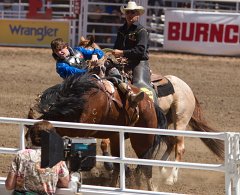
(38, 33)
(210, 33)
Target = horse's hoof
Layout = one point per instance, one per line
(163, 171)
(108, 165)
(128, 172)
(151, 186)
(153, 189)
(169, 182)
(95, 172)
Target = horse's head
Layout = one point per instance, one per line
(86, 43)
(102, 66)
(97, 67)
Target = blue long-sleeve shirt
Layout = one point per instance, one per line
(87, 53)
(65, 70)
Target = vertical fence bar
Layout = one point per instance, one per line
(122, 157)
(228, 156)
(227, 177)
(85, 18)
(80, 21)
(236, 165)
(22, 136)
(73, 22)
(192, 4)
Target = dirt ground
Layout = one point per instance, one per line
(25, 72)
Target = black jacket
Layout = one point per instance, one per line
(133, 42)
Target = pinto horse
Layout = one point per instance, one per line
(181, 108)
(85, 99)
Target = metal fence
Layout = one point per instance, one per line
(101, 19)
(230, 167)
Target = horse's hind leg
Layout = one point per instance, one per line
(115, 178)
(180, 124)
(179, 151)
(181, 111)
(167, 153)
(178, 143)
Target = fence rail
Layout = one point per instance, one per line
(230, 167)
(106, 16)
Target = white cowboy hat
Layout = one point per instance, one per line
(132, 6)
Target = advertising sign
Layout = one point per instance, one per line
(37, 33)
(211, 33)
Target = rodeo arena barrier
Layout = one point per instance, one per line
(230, 167)
(192, 26)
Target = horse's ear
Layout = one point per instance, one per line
(92, 39)
(31, 114)
(83, 42)
(82, 38)
(27, 127)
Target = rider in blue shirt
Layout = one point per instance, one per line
(71, 61)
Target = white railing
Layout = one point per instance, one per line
(230, 166)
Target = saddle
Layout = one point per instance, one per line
(161, 85)
(108, 86)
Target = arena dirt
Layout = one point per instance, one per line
(25, 72)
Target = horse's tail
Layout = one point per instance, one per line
(198, 123)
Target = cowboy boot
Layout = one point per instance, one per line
(133, 98)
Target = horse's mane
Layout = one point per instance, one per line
(67, 100)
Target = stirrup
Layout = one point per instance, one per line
(136, 98)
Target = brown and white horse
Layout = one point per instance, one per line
(181, 109)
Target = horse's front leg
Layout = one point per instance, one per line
(147, 171)
(104, 147)
(115, 178)
(114, 146)
(115, 175)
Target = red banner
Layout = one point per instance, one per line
(35, 6)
